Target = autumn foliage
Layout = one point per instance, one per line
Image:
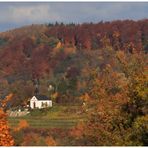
(116, 103)
(5, 137)
(102, 68)
(21, 125)
(50, 141)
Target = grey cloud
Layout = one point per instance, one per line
(17, 14)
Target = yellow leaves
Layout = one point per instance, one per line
(107, 68)
(141, 122)
(141, 87)
(56, 49)
(106, 41)
(59, 44)
(121, 57)
(50, 141)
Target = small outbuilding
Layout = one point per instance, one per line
(40, 101)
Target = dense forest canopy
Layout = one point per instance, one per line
(28, 43)
(121, 35)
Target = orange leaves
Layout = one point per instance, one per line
(6, 100)
(55, 95)
(77, 132)
(50, 141)
(85, 97)
(5, 137)
(69, 50)
(2, 114)
(116, 96)
(22, 124)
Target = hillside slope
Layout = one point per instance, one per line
(53, 53)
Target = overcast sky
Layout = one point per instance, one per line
(16, 14)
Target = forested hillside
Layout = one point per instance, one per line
(100, 67)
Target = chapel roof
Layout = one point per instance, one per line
(42, 97)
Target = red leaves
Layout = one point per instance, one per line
(119, 33)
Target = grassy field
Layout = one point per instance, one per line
(56, 117)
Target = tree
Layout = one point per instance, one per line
(116, 102)
(33, 139)
(104, 98)
(5, 137)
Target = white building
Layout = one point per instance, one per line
(40, 101)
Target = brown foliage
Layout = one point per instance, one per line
(30, 139)
(36, 139)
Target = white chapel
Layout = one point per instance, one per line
(40, 101)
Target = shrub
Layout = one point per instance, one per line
(18, 137)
